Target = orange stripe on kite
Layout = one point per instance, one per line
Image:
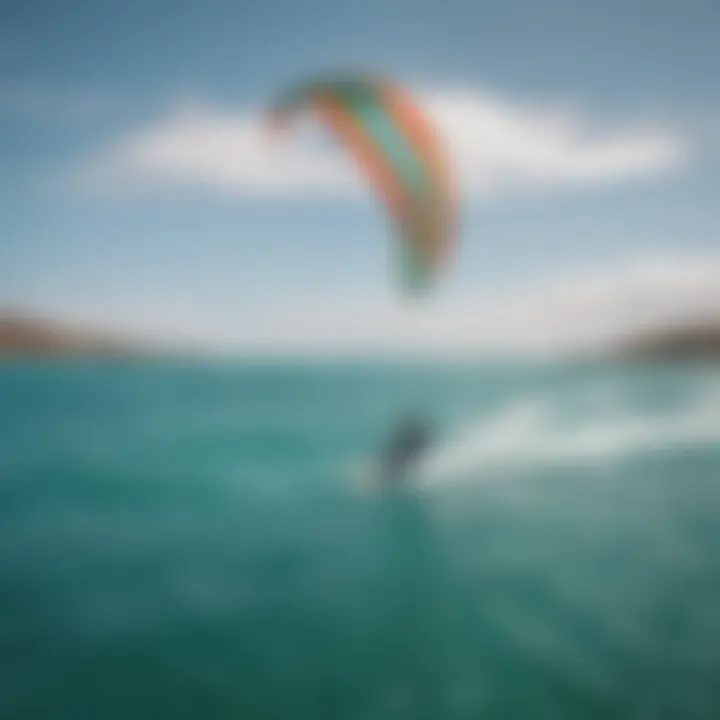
(416, 127)
(366, 153)
(424, 139)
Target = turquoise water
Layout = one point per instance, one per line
(193, 541)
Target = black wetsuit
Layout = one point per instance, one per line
(405, 449)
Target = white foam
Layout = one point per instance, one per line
(529, 432)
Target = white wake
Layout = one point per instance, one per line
(531, 432)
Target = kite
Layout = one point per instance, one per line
(399, 153)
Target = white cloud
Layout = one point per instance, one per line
(500, 146)
(229, 152)
(586, 310)
(497, 146)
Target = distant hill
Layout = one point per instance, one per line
(692, 341)
(22, 336)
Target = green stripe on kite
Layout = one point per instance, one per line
(366, 104)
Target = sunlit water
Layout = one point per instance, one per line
(191, 541)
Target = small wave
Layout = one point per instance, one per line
(528, 433)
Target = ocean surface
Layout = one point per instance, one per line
(200, 540)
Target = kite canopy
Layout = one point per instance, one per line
(396, 147)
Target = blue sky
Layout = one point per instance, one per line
(587, 133)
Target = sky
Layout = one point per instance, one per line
(140, 194)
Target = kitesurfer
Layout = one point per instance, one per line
(405, 448)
